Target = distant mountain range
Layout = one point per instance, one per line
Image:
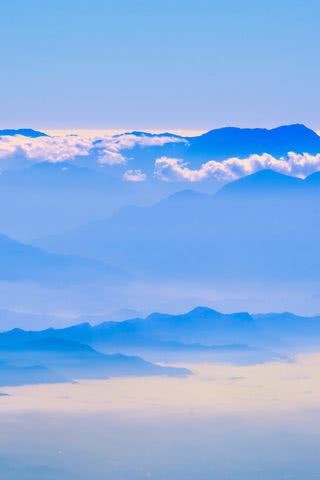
(200, 327)
(40, 320)
(260, 227)
(26, 132)
(195, 330)
(271, 183)
(54, 360)
(22, 262)
(49, 198)
(46, 198)
(221, 143)
(202, 334)
(264, 226)
(69, 224)
(241, 142)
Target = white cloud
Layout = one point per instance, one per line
(47, 149)
(107, 149)
(110, 147)
(129, 140)
(134, 176)
(110, 157)
(175, 169)
(113, 150)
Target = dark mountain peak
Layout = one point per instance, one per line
(229, 142)
(15, 331)
(243, 316)
(268, 175)
(264, 181)
(293, 129)
(203, 311)
(184, 195)
(152, 316)
(207, 312)
(26, 132)
(82, 326)
(216, 132)
(138, 133)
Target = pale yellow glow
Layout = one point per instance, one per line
(213, 389)
(110, 132)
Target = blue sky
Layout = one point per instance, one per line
(159, 64)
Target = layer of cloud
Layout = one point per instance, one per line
(111, 147)
(175, 169)
(46, 149)
(117, 150)
(66, 148)
(110, 156)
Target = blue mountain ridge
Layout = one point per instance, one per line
(49, 198)
(202, 334)
(29, 358)
(241, 233)
(26, 132)
(222, 143)
(23, 262)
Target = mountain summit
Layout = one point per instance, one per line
(229, 142)
(263, 181)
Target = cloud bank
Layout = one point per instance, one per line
(175, 169)
(118, 150)
(107, 150)
(46, 149)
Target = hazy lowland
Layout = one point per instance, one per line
(159, 305)
(224, 421)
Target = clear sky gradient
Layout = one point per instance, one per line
(151, 64)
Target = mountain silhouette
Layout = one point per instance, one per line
(23, 262)
(30, 357)
(51, 198)
(26, 132)
(241, 142)
(240, 233)
(202, 334)
(265, 182)
(222, 143)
